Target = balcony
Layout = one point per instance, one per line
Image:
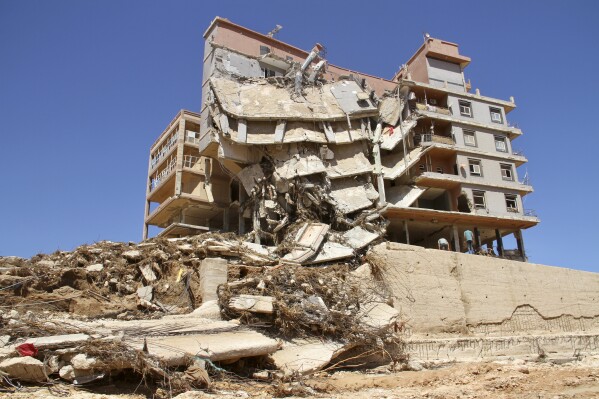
(428, 138)
(432, 108)
(163, 174)
(163, 151)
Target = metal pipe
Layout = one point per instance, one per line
(311, 56)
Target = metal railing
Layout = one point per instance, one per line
(164, 149)
(433, 138)
(189, 161)
(530, 212)
(160, 177)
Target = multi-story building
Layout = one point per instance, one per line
(439, 161)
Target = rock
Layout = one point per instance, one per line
(145, 293)
(97, 267)
(46, 263)
(252, 303)
(53, 365)
(208, 310)
(67, 373)
(13, 314)
(24, 368)
(415, 365)
(148, 273)
(82, 362)
(132, 256)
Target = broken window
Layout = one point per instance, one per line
(465, 108)
(475, 167)
(470, 138)
(422, 167)
(479, 199)
(496, 115)
(439, 169)
(264, 50)
(511, 202)
(500, 144)
(268, 73)
(506, 172)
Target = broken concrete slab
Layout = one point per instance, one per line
(24, 368)
(213, 272)
(148, 273)
(331, 251)
(132, 256)
(252, 303)
(391, 137)
(352, 194)
(390, 109)
(306, 356)
(82, 362)
(348, 160)
(249, 176)
(352, 99)
(231, 345)
(308, 238)
(146, 293)
(378, 316)
(58, 341)
(358, 237)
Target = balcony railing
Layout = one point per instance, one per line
(433, 138)
(163, 150)
(530, 212)
(189, 161)
(160, 177)
(192, 137)
(433, 108)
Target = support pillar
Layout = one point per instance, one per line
(477, 243)
(378, 170)
(405, 226)
(242, 197)
(456, 238)
(256, 223)
(520, 243)
(226, 213)
(499, 243)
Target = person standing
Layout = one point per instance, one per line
(468, 236)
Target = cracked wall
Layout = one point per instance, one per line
(441, 292)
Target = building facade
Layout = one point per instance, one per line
(278, 123)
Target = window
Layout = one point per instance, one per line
(267, 73)
(465, 108)
(500, 144)
(439, 169)
(469, 138)
(496, 115)
(264, 50)
(289, 58)
(475, 167)
(479, 199)
(421, 167)
(506, 172)
(511, 202)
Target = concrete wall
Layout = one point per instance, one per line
(447, 292)
(494, 200)
(480, 110)
(485, 139)
(440, 72)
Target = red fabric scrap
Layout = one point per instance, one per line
(27, 350)
(391, 130)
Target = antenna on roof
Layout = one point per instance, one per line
(426, 36)
(274, 31)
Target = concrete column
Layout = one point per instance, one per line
(180, 150)
(378, 170)
(477, 243)
(256, 223)
(499, 242)
(520, 243)
(144, 235)
(226, 219)
(242, 197)
(213, 272)
(405, 226)
(456, 238)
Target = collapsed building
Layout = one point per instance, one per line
(284, 137)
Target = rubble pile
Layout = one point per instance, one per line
(180, 312)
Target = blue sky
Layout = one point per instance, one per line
(86, 87)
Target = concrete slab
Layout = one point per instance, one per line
(358, 238)
(24, 368)
(252, 303)
(57, 341)
(305, 356)
(213, 272)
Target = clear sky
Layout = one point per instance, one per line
(87, 86)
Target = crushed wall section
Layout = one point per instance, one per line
(442, 292)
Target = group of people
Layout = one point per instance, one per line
(468, 236)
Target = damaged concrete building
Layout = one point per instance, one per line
(284, 138)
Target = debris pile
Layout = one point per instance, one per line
(180, 312)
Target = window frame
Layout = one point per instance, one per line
(466, 105)
(475, 162)
(494, 110)
(500, 139)
(510, 168)
(439, 169)
(470, 133)
(422, 167)
(479, 194)
(264, 50)
(514, 198)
